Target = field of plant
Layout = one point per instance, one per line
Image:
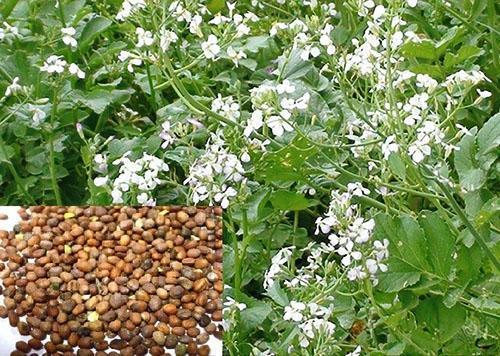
(353, 144)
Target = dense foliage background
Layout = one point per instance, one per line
(354, 145)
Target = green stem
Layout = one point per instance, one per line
(294, 240)
(151, 86)
(52, 168)
(61, 12)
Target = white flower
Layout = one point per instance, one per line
(129, 7)
(235, 56)
(360, 230)
(418, 150)
(356, 273)
(309, 51)
(133, 61)
(100, 181)
(54, 64)
(389, 146)
(226, 107)
(357, 189)
(210, 47)
(411, 3)
(254, 123)
(279, 124)
(166, 135)
(68, 36)
(13, 88)
(144, 38)
(357, 350)
(38, 116)
(378, 12)
(194, 25)
(294, 311)
(166, 38)
(373, 266)
(483, 94)
(426, 81)
(349, 254)
(75, 70)
(285, 87)
(224, 196)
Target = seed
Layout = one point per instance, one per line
(115, 325)
(3, 216)
(102, 307)
(96, 226)
(170, 341)
(182, 217)
(23, 346)
(159, 338)
(200, 218)
(126, 225)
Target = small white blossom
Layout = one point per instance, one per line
(235, 56)
(54, 64)
(68, 36)
(144, 38)
(75, 70)
(210, 47)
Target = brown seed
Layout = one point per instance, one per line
(23, 346)
(96, 226)
(102, 307)
(159, 338)
(200, 218)
(126, 225)
(115, 325)
(182, 217)
(117, 300)
(170, 341)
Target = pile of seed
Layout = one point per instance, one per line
(113, 280)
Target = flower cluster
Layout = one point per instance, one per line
(274, 106)
(136, 178)
(57, 64)
(312, 320)
(349, 234)
(215, 174)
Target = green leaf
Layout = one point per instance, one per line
(291, 66)
(99, 99)
(440, 320)
(398, 276)
(397, 165)
(255, 316)
(440, 242)
(424, 49)
(92, 29)
(407, 240)
(277, 294)
(288, 201)
(6, 153)
(488, 141)
(471, 176)
(256, 43)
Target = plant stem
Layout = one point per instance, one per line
(61, 12)
(52, 164)
(151, 86)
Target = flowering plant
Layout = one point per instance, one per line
(354, 145)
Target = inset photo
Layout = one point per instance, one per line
(111, 280)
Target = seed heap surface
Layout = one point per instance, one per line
(113, 280)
